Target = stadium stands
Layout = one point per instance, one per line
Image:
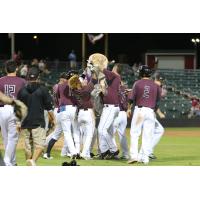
(180, 85)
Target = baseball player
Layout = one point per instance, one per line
(20, 111)
(37, 98)
(10, 86)
(120, 122)
(65, 120)
(86, 119)
(111, 109)
(159, 130)
(145, 95)
(63, 78)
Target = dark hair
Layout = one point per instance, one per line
(10, 66)
(63, 75)
(119, 68)
(33, 73)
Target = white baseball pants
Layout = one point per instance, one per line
(86, 122)
(158, 133)
(106, 130)
(9, 134)
(143, 121)
(65, 121)
(120, 124)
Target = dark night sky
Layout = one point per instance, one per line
(59, 45)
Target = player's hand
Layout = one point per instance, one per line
(162, 116)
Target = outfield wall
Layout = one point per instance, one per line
(177, 122)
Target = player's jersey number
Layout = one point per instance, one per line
(9, 90)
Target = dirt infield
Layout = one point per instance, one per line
(183, 133)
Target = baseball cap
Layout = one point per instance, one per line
(33, 73)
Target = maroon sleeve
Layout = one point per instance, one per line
(132, 95)
(88, 88)
(109, 75)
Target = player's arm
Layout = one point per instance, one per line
(5, 99)
(131, 100)
(160, 114)
(110, 76)
(48, 104)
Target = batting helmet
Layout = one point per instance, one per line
(144, 71)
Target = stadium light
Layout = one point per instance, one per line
(195, 40)
(35, 37)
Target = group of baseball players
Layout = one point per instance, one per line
(88, 109)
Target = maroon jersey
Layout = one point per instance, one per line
(113, 80)
(146, 93)
(123, 98)
(64, 95)
(10, 85)
(83, 97)
(55, 97)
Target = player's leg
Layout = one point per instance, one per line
(87, 119)
(76, 135)
(122, 134)
(4, 116)
(51, 140)
(66, 123)
(135, 132)
(147, 135)
(158, 133)
(13, 137)
(107, 118)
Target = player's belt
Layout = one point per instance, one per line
(1, 105)
(107, 105)
(140, 106)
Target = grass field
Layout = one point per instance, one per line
(178, 147)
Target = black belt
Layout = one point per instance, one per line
(85, 108)
(140, 106)
(1, 105)
(115, 105)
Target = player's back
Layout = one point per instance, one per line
(146, 93)
(10, 85)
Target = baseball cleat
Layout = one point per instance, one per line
(92, 155)
(132, 161)
(152, 156)
(87, 158)
(113, 155)
(124, 158)
(45, 156)
(104, 155)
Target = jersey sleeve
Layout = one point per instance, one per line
(47, 99)
(133, 92)
(109, 75)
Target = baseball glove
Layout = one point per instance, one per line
(20, 109)
(74, 82)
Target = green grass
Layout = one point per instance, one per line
(171, 151)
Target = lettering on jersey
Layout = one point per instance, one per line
(9, 90)
(146, 91)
